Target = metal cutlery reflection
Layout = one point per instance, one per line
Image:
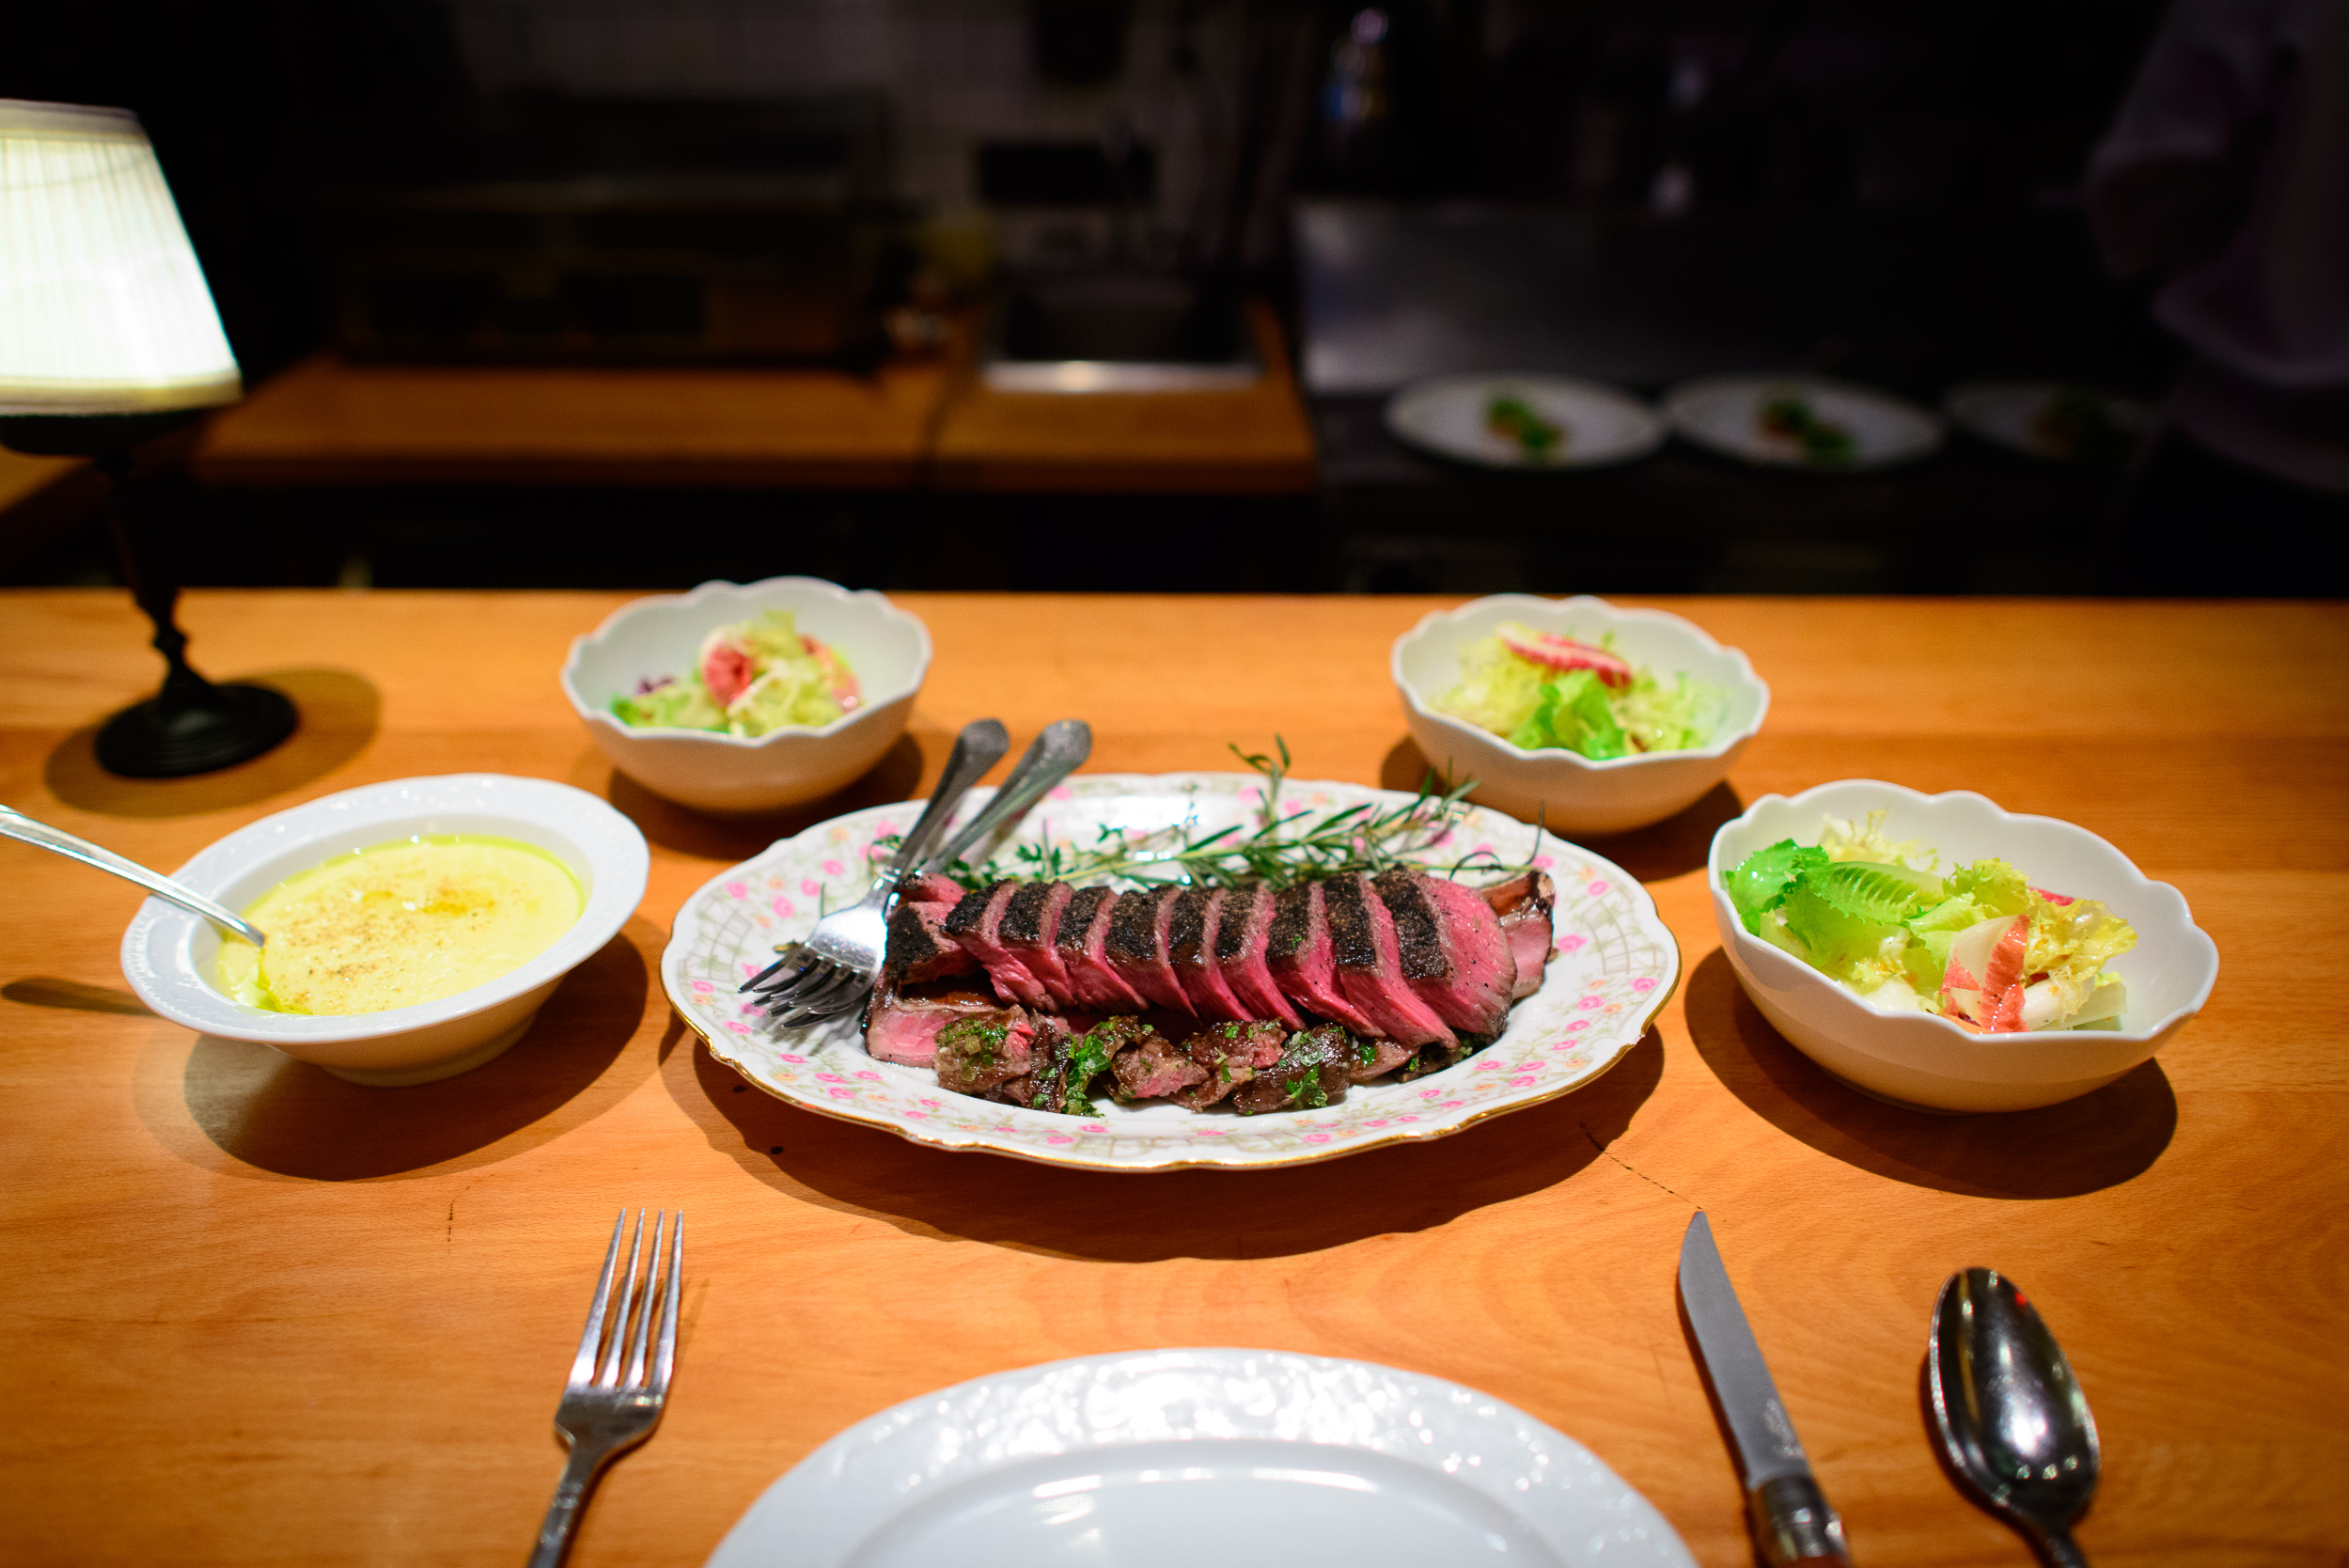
(830, 971)
(619, 1380)
(1055, 754)
(2009, 1413)
(1790, 1520)
(16, 824)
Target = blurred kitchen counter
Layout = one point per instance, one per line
(1256, 440)
(329, 422)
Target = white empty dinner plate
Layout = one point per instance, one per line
(1729, 414)
(1185, 1458)
(2048, 420)
(1452, 415)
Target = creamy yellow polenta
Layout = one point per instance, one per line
(396, 924)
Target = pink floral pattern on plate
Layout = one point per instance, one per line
(1615, 967)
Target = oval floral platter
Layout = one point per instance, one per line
(1613, 965)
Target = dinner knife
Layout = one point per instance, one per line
(1791, 1519)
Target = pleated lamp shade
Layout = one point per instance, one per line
(102, 305)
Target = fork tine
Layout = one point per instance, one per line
(793, 951)
(652, 1284)
(825, 1002)
(800, 996)
(607, 1376)
(583, 1364)
(797, 953)
(664, 1358)
(814, 977)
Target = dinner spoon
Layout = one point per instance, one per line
(16, 824)
(2009, 1412)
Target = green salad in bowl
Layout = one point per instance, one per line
(1977, 944)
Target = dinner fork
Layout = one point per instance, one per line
(1053, 756)
(619, 1380)
(840, 958)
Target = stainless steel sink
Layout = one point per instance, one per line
(1119, 331)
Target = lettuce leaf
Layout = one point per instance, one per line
(1498, 691)
(1759, 881)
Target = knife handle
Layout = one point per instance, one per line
(1794, 1524)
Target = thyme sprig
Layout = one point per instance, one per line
(1284, 847)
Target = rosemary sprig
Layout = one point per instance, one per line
(1285, 847)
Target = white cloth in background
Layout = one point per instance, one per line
(2243, 106)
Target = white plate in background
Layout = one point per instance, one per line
(1446, 414)
(1175, 1458)
(1723, 413)
(2014, 415)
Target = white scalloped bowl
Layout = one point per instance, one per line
(1927, 1063)
(648, 638)
(169, 956)
(1573, 792)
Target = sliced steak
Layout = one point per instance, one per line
(1522, 906)
(1137, 947)
(1042, 1086)
(977, 923)
(918, 948)
(1229, 1054)
(1451, 949)
(1030, 924)
(1363, 949)
(1310, 1073)
(1151, 1067)
(930, 887)
(903, 1027)
(1191, 937)
(1079, 944)
(973, 1055)
(1242, 924)
(1383, 1057)
(1297, 954)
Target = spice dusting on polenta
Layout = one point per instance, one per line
(401, 924)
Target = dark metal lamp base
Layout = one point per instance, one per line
(220, 726)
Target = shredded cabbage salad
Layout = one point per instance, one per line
(1978, 946)
(1542, 689)
(750, 678)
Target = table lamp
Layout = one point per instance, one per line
(108, 338)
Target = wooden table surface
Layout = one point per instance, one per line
(327, 421)
(255, 1315)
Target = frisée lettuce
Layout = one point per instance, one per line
(1977, 945)
(1542, 689)
(750, 678)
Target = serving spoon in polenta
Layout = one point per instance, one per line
(16, 824)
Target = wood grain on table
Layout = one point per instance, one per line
(327, 421)
(255, 1315)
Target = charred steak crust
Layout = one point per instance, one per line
(1076, 922)
(1186, 926)
(1352, 940)
(971, 912)
(1419, 942)
(1022, 922)
(1293, 910)
(1231, 934)
(1134, 928)
(909, 944)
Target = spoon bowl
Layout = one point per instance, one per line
(2008, 1411)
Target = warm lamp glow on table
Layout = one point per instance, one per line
(108, 337)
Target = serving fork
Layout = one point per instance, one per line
(837, 965)
(619, 1380)
(837, 960)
